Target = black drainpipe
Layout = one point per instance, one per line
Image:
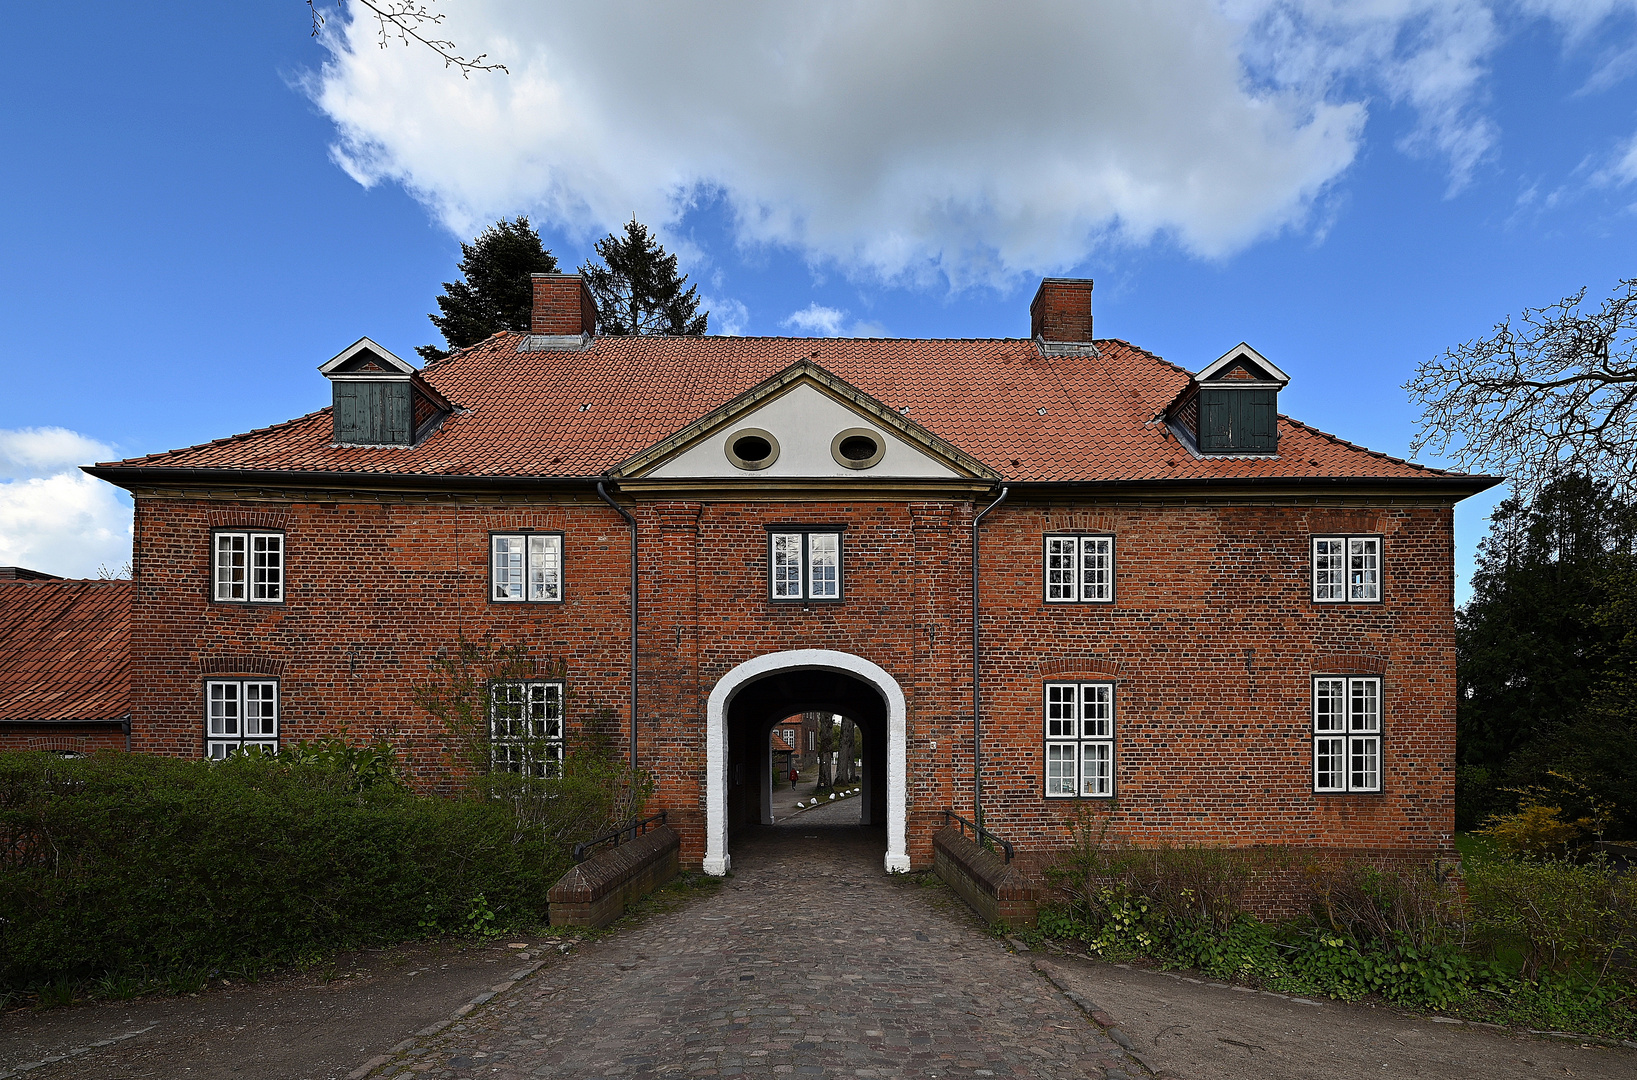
(631, 521)
(977, 693)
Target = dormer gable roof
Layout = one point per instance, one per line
(366, 360)
(1242, 363)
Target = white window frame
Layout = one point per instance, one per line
(1078, 719)
(1348, 569)
(1078, 568)
(256, 575)
(526, 727)
(240, 713)
(1348, 734)
(804, 566)
(532, 571)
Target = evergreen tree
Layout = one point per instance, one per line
(637, 288)
(1545, 647)
(497, 293)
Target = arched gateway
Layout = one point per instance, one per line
(796, 676)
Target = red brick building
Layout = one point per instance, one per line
(1199, 617)
(65, 678)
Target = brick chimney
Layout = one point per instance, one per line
(562, 306)
(1061, 310)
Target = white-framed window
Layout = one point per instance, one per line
(1079, 569)
(247, 567)
(240, 713)
(804, 565)
(1079, 740)
(812, 740)
(526, 728)
(526, 567)
(1347, 569)
(1347, 733)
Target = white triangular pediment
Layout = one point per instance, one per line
(805, 424)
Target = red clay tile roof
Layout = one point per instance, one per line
(1030, 416)
(65, 650)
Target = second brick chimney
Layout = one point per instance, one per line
(562, 306)
(1061, 310)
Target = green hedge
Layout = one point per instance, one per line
(130, 863)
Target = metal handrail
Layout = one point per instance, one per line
(634, 827)
(979, 833)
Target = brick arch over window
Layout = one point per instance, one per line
(1348, 521)
(1079, 521)
(248, 519)
(226, 664)
(1082, 667)
(1350, 663)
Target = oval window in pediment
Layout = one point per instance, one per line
(857, 448)
(752, 449)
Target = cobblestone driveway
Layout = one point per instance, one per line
(810, 961)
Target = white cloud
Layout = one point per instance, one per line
(816, 319)
(53, 517)
(28, 452)
(728, 317)
(970, 139)
(1622, 168)
(927, 139)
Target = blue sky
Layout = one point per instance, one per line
(197, 212)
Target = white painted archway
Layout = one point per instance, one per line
(716, 745)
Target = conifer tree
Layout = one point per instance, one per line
(637, 288)
(497, 293)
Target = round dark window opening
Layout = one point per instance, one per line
(752, 447)
(858, 447)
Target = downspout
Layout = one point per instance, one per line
(602, 492)
(977, 685)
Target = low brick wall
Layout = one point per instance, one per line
(1001, 892)
(597, 891)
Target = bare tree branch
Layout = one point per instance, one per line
(410, 21)
(1554, 389)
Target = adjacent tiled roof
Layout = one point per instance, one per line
(1030, 415)
(65, 650)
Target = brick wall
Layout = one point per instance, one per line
(72, 738)
(1212, 643)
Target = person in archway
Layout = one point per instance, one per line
(794, 776)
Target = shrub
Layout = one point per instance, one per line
(125, 863)
(1558, 916)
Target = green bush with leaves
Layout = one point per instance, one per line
(123, 864)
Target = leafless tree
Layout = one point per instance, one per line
(845, 773)
(410, 22)
(1554, 389)
(826, 743)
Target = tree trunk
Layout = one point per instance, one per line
(825, 778)
(848, 742)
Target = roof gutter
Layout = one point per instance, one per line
(977, 682)
(602, 493)
(1463, 485)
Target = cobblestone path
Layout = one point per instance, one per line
(810, 961)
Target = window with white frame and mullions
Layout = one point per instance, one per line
(526, 728)
(1079, 569)
(526, 567)
(1347, 569)
(248, 567)
(240, 714)
(804, 565)
(1079, 740)
(1347, 733)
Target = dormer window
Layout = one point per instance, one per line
(1232, 406)
(379, 400)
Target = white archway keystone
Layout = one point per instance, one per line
(716, 745)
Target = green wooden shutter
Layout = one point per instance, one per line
(1215, 425)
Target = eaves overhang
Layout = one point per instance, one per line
(1454, 487)
(140, 476)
